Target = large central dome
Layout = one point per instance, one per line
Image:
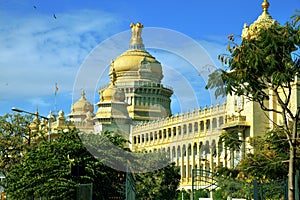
(135, 78)
(136, 63)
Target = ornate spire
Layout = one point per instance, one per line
(264, 21)
(265, 5)
(136, 41)
(34, 125)
(51, 116)
(112, 73)
(82, 94)
(36, 115)
(113, 77)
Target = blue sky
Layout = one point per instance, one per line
(38, 50)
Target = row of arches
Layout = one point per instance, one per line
(189, 128)
(202, 148)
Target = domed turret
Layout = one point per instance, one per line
(264, 21)
(34, 125)
(112, 94)
(82, 106)
(80, 110)
(112, 110)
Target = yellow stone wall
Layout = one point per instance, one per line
(190, 139)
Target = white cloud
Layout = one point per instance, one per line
(37, 50)
(39, 102)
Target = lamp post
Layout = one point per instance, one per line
(35, 114)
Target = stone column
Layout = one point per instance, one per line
(242, 138)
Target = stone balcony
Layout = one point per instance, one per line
(235, 121)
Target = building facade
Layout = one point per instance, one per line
(136, 102)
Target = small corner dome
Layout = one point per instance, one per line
(264, 21)
(82, 106)
(112, 94)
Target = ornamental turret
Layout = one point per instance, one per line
(264, 21)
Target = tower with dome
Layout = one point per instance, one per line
(138, 74)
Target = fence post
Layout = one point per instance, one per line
(255, 188)
(193, 179)
(297, 185)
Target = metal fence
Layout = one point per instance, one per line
(211, 181)
(130, 186)
(85, 192)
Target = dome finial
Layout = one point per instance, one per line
(265, 5)
(37, 111)
(112, 73)
(136, 41)
(82, 93)
(114, 77)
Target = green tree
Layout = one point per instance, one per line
(152, 181)
(269, 159)
(15, 137)
(232, 142)
(183, 195)
(263, 65)
(55, 169)
(159, 184)
(201, 193)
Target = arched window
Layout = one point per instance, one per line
(207, 124)
(169, 132)
(184, 129)
(189, 149)
(214, 148)
(195, 148)
(174, 131)
(178, 151)
(173, 152)
(201, 150)
(221, 121)
(202, 126)
(220, 147)
(184, 151)
(196, 127)
(214, 123)
(206, 148)
(190, 127)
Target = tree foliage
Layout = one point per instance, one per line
(55, 169)
(231, 140)
(159, 184)
(258, 64)
(264, 65)
(15, 137)
(269, 160)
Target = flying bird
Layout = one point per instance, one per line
(34, 7)
(54, 16)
